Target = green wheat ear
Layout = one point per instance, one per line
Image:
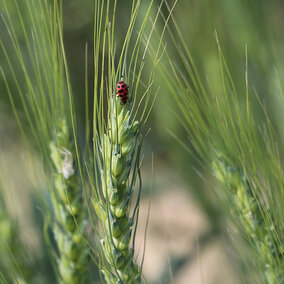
(113, 207)
(43, 88)
(251, 213)
(69, 212)
(116, 147)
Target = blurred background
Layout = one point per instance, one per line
(187, 237)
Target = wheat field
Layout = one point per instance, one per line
(141, 141)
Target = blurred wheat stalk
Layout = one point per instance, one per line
(240, 151)
(14, 263)
(255, 219)
(69, 213)
(47, 114)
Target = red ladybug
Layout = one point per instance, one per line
(122, 92)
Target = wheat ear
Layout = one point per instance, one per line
(253, 216)
(69, 213)
(113, 206)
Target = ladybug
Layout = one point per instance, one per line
(122, 92)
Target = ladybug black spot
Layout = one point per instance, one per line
(123, 86)
(118, 86)
(120, 91)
